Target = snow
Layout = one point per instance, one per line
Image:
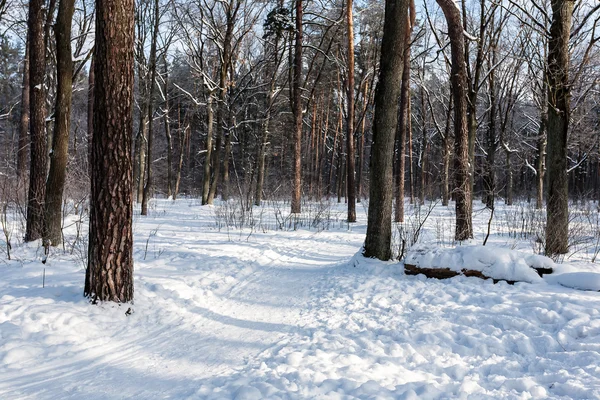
(493, 262)
(578, 280)
(230, 313)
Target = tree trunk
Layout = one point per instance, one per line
(90, 115)
(109, 275)
(424, 147)
(557, 226)
(226, 156)
(37, 124)
(411, 179)
(361, 147)
(140, 145)
(62, 125)
(541, 158)
(182, 135)
(24, 124)
(385, 121)
(509, 179)
(401, 130)
(152, 70)
(168, 136)
(297, 111)
(464, 224)
(351, 158)
(489, 179)
(209, 153)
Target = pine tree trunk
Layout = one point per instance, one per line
(385, 121)
(350, 159)
(62, 123)
(37, 123)
(297, 111)
(109, 275)
(462, 182)
(557, 228)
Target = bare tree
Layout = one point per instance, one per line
(379, 225)
(557, 228)
(351, 158)
(462, 184)
(24, 125)
(62, 125)
(37, 123)
(297, 111)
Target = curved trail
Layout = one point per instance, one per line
(286, 315)
(205, 307)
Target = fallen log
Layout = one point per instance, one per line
(489, 262)
(446, 273)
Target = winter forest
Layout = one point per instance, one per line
(300, 199)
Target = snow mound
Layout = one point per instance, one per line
(493, 262)
(577, 280)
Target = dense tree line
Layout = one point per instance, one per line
(471, 100)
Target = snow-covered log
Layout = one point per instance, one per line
(484, 262)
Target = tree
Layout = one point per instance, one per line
(297, 111)
(24, 125)
(557, 225)
(62, 123)
(404, 121)
(109, 274)
(152, 71)
(458, 73)
(351, 160)
(37, 123)
(379, 224)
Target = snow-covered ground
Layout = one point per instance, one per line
(259, 313)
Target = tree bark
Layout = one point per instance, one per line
(385, 121)
(209, 147)
(297, 111)
(37, 123)
(446, 152)
(62, 124)
(24, 124)
(489, 179)
(141, 142)
(90, 114)
(152, 70)
(458, 72)
(401, 130)
(557, 226)
(168, 136)
(109, 275)
(424, 148)
(351, 158)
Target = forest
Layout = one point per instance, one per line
(295, 199)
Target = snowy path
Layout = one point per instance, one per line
(204, 308)
(290, 315)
